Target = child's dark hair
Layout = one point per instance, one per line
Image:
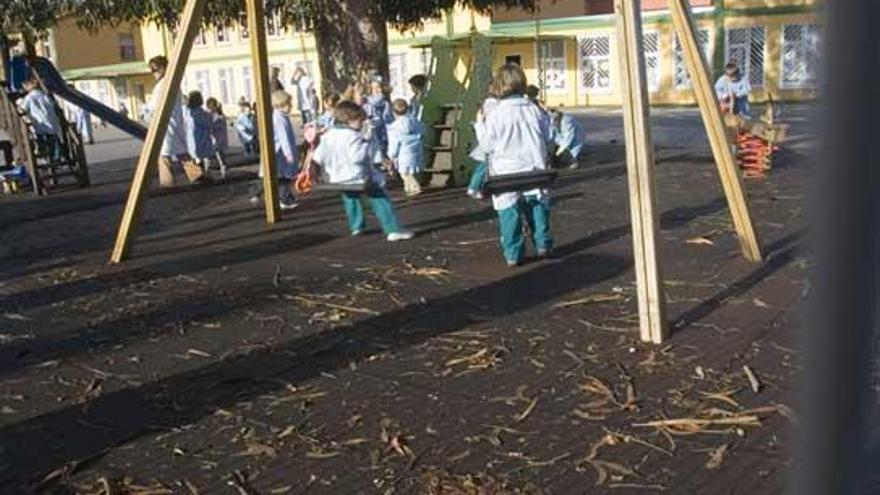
(347, 112)
(400, 106)
(332, 99)
(533, 92)
(194, 99)
(214, 105)
(418, 81)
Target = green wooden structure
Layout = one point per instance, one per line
(458, 80)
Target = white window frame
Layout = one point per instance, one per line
(678, 58)
(543, 67)
(202, 82)
(243, 32)
(747, 64)
(127, 51)
(607, 58)
(808, 83)
(247, 81)
(397, 74)
(201, 38)
(226, 30)
(654, 76)
(274, 26)
(226, 82)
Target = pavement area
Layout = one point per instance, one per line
(228, 356)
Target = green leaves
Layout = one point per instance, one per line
(39, 15)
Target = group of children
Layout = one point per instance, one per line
(206, 138)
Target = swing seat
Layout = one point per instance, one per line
(524, 181)
(357, 188)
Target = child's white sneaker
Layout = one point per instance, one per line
(289, 206)
(357, 233)
(400, 236)
(475, 194)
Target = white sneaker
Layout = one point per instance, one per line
(255, 200)
(400, 236)
(475, 194)
(356, 233)
(289, 206)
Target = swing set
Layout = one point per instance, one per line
(639, 147)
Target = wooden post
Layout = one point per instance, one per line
(640, 171)
(191, 22)
(260, 56)
(721, 147)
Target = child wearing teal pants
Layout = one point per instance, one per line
(536, 214)
(346, 157)
(515, 140)
(382, 208)
(478, 178)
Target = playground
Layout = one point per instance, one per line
(228, 356)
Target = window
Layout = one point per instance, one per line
(680, 71)
(513, 59)
(651, 46)
(552, 68)
(203, 82)
(745, 47)
(595, 54)
(243, 27)
(126, 47)
(397, 75)
(201, 39)
(226, 79)
(274, 26)
(425, 61)
(222, 33)
(800, 55)
(248, 81)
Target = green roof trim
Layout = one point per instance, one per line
(493, 36)
(138, 67)
(587, 21)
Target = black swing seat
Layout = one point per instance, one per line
(355, 187)
(523, 181)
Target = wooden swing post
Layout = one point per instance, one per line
(698, 69)
(192, 14)
(260, 55)
(191, 22)
(640, 172)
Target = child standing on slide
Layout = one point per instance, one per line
(346, 157)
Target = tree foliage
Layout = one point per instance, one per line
(38, 15)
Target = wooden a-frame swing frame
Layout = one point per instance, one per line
(639, 146)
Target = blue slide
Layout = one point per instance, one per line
(55, 83)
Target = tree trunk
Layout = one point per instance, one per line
(352, 41)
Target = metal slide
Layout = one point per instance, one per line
(55, 83)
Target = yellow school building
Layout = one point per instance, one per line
(567, 46)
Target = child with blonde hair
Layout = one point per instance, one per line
(285, 149)
(515, 141)
(347, 157)
(405, 146)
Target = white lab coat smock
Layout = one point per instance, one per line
(175, 136)
(347, 157)
(516, 138)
